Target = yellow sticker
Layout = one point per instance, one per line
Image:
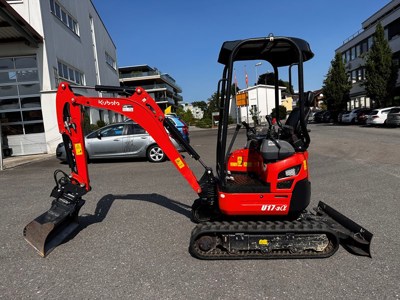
(233, 164)
(78, 149)
(305, 164)
(179, 163)
(239, 161)
(263, 242)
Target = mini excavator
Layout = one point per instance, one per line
(255, 204)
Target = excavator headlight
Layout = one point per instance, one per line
(293, 171)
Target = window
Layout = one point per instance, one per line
(135, 129)
(63, 15)
(110, 61)
(353, 53)
(112, 130)
(70, 73)
(20, 106)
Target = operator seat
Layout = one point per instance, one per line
(291, 131)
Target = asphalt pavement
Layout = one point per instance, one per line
(135, 229)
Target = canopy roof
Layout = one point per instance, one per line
(278, 51)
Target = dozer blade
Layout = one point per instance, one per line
(352, 236)
(54, 226)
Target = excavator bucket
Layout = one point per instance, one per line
(54, 226)
(352, 236)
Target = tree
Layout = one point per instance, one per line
(336, 87)
(212, 106)
(269, 78)
(282, 112)
(186, 115)
(380, 71)
(200, 104)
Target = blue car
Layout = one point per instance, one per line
(182, 127)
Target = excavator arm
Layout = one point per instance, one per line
(52, 227)
(139, 107)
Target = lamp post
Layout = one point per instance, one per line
(258, 106)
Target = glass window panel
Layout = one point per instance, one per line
(34, 128)
(358, 50)
(71, 74)
(30, 102)
(52, 5)
(25, 62)
(370, 42)
(8, 77)
(11, 103)
(27, 75)
(70, 23)
(8, 117)
(29, 89)
(6, 63)
(78, 77)
(64, 16)
(75, 27)
(65, 71)
(58, 10)
(12, 129)
(60, 69)
(32, 115)
(8, 90)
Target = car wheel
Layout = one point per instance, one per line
(155, 154)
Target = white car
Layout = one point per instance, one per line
(350, 116)
(378, 116)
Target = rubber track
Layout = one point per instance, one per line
(262, 227)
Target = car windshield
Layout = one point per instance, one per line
(394, 110)
(374, 112)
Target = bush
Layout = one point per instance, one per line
(101, 123)
(282, 112)
(93, 127)
(204, 123)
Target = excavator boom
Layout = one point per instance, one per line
(51, 228)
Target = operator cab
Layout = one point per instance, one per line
(279, 52)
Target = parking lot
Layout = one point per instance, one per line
(133, 243)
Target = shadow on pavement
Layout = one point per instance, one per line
(105, 203)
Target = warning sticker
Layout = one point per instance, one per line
(128, 108)
(78, 149)
(263, 242)
(179, 163)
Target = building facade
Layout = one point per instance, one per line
(261, 97)
(161, 86)
(354, 50)
(197, 112)
(75, 47)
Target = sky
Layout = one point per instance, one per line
(183, 37)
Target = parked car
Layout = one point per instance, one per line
(327, 117)
(378, 116)
(182, 127)
(340, 115)
(363, 115)
(350, 117)
(393, 117)
(120, 140)
(319, 116)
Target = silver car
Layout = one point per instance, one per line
(120, 140)
(393, 117)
